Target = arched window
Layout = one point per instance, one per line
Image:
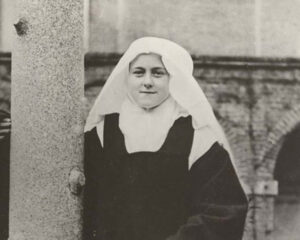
(287, 203)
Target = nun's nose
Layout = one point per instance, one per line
(148, 83)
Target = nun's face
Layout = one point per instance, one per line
(148, 81)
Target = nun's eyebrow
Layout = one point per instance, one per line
(159, 68)
(138, 68)
(154, 68)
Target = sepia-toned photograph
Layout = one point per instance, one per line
(149, 120)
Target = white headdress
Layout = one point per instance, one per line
(182, 86)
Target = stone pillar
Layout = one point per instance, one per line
(86, 22)
(47, 120)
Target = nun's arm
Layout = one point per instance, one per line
(217, 203)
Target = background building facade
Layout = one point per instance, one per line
(228, 28)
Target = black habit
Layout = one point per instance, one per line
(154, 195)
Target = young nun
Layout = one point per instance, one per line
(157, 163)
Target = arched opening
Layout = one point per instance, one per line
(287, 203)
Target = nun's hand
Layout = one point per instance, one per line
(5, 126)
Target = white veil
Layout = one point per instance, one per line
(182, 86)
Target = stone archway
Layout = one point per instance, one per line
(240, 146)
(267, 156)
(287, 203)
(266, 165)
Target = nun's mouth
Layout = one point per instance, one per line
(148, 92)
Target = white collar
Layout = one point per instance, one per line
(146, 130)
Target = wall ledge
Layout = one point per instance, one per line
(243, 62)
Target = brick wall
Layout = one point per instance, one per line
(5, 79)
(256, 101)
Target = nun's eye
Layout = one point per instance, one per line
(159, 73)
(138, 73)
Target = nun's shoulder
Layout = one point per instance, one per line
(215, 149)
(90, 133)
(91, 137)
(216, 157)
(184, 123)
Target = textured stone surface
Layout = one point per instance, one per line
(47, 141)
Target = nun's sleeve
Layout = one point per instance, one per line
(217, 204)
(92, 152)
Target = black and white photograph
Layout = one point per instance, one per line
(149, 120)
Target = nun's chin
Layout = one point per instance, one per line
(149, 108)
(147, 103)
(150, 105)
